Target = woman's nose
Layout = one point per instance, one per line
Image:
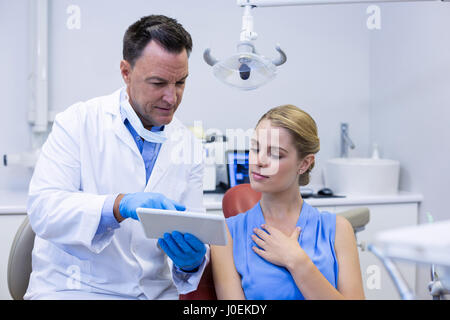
(262, 160)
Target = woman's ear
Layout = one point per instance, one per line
(306, 163)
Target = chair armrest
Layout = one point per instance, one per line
(357, 217)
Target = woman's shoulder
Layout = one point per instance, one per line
(337, 221)
(236, 223)
(240, 220)
(319, 214)
(334, 224)
(343, 227)
(324, 220)
(236, 219)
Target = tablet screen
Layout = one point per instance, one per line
(208, 228)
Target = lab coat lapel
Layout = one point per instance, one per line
(123, 134)
(113, 107)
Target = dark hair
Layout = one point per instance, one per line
(166, 31)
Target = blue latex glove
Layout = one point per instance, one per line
(131, 201)
(186, 251)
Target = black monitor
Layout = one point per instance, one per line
(237, 167)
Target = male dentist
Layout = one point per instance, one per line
(108, 156)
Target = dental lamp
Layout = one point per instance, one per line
(247, 70)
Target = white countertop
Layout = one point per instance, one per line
(214, 201)
(14, 202)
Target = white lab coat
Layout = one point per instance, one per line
(91, 154)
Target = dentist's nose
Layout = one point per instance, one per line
(170, 95)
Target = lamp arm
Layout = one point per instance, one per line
(282, 3)
(247, 33)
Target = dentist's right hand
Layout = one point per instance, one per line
(125, 205)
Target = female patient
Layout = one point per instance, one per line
(283, 248)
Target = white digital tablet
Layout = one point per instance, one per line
(208, 228)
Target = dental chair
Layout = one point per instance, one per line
(19, 262)
(242, 198)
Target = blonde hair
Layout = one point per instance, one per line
(303, 130)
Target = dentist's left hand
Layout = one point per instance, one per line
(125, 205)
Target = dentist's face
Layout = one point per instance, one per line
(155, 84)
(274, 164)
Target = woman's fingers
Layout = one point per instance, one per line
(261, 233)
(258, 241)
(260, 252)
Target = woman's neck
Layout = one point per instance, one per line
(282, 205)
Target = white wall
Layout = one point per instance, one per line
(14, 90)
(410, 102)
(327, 72)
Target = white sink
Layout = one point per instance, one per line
(362, 176)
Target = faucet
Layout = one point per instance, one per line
(346, 142)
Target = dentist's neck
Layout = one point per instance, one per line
(146, 125)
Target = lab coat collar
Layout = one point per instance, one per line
(163, 161)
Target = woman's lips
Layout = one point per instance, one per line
(258, 177)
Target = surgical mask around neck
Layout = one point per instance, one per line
(147, 135)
